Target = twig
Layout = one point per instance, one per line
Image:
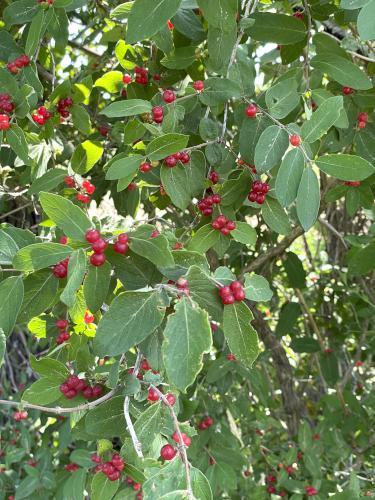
(357, 356)
(310, 317)
(4, 216)
(182, 448)
(333, 230)
(200, 146)
(87, 51)
(58, 409)
(136, 443)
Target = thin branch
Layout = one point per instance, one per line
(4, 216)
(200, 146)
(333, 230)
(310, 317)
(136, 443)
(86, 50)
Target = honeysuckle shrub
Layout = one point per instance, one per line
(187, 249)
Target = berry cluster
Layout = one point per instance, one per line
(232, 293)
(158, 114)
(205, 423)
(98, 246)
(171, 160)
(362, 119)
(122, 243)
(41, 115)
(73, 385)
(311, 491)
(352, 183)
(347, 90)
(88, 189)
(206, 203)
(6, 104)
(71, 467)
(168, 452)
(198, 85)
(214, 177)
(63, 336)
(20, 415)
(186, 440)
(18, 63)
(63, 105)
(112, 468)
(141, 75)
(60, 270)
(4, 122)
(258, 192)
(251, 111)
(169, 96)
(224, 225)
(136, 487)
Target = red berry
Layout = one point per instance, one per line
(12, 67)
(208, 421)
(60, 271)
(123, 238)
(260, 198)
(252, 197)
(152, 395)
(225, 291)
(271, 489)
(97, 259)
(214, 177)
(95, 458)
(362, 117)
(185, 439)
(88, 187)
(92, 235)
(154, 234)
(361, 125)
(169, 96)
(119, 247)
(225, 231)
(62, 324)
(251, 110)
(216, 199)
(184, 158)
(72, 393)
(4, 122)
(178, 245)
(144, 365)
(99, 245)
(230, 225)
(295, 140)
(114, 476)
(126, 79)
(103, 131)
(63, 240)
(171, 399)
(156, 77)
(170, 161)
(347, 90)
(88, 317)
(227, 300)
(231, 357)
(87, 393)
(69, 181)
(168, 452)
(145, 167)
(198, 85)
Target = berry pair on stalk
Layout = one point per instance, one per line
(232, 293)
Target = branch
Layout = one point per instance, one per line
(57, 409)
(136, 443)
(87, 51)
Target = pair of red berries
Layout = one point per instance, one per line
(347, 90)
(205, 204)
(186, 440)
(63, 105)
(158, 114)
(41, 115)
(141, 75)
(153, 396)
(98, 246)
(242, 162)
(258, 192)
(311, 491)
(362, 119)
(169, 96)
(18, 63)
(60, 270)
(72, 467)
(224, 225)
(89, 189)
(136, 487)
(171, 160)
(4, 122)
(214, 177)
(20, 415)
(232, 293)
(6, 103)
(122, 244)
(352, 183)
(73, 385)
(206, 423)
(63, 335)
(112, 468)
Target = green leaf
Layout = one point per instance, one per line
(257, 288)
(270, 148)
(166, 145)
(40, 255)
(147, 17)
(282, 98)
(35, 33)
(102, 488)
(81, 120)
(276, 28)
(106, 420)
(362, 261)
(235, 191)
(131, 317)
(289, 176)
(294, 270)
(352, 4)
(241, 337)
(244, 233)
(218, 91)
(8, 248)
(17, 141)
(187, 336)
(322, 119)
(96, 285)
(49, 367)
(129, 107)
(155, 249)
(40, 294)
(148, 425)
(250, 132)
(180, 58)
(342, 70)
(68, 217)
(365, 21)
(76, 272)
(43, 392)
(200, 485)
(85, 156)
(3, 344)
(28, 485)
(111, 82)
(308, 199)
(124, 168)
(275, 217)
(11, 297)
(345, 167)
(219, 13)
(20, 12)
(204, 292)
(48, 181)
(204, 239)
